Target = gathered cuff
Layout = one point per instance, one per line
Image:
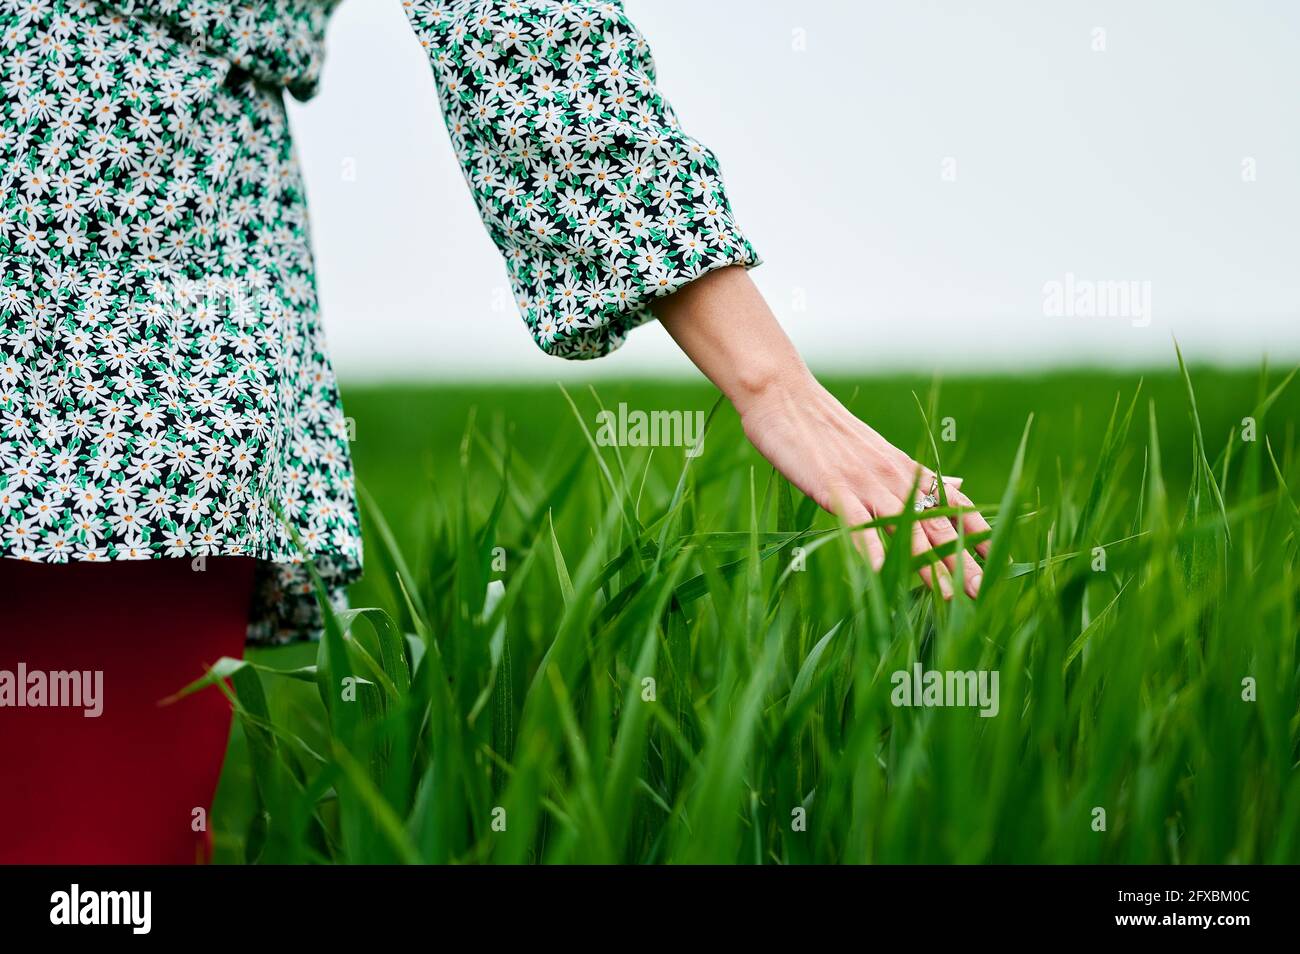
(600, 324)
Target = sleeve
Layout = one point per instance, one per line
(589, 187)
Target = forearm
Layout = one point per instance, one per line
(726, 328)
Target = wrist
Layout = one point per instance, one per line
(758, 387)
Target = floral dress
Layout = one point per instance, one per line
(164, 385)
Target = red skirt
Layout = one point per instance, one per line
(96, 771)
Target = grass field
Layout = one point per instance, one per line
(690, 665)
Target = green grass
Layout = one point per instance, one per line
(1120, 688)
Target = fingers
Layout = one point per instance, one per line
(972, 521)
(940, 531)
(932, 572)
(951, 494)
(854, 513)
(927, 532)
(930, 479)
(868, 540)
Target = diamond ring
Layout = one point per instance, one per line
(930, 498)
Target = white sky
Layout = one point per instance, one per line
(1122, 165)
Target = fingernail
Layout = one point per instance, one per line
(975, 580)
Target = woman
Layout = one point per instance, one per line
(166, 404)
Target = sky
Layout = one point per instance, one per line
(933, 186)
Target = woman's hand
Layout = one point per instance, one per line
(725, 327)
(850, 470)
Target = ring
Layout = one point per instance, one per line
(930, 498)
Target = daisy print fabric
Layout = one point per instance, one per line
(164, 385)
(164, 389)
(586, 182)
